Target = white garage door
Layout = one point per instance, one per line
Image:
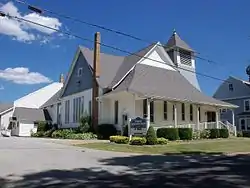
(25, 129)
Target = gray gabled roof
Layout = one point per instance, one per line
(176, 41)
(148, 81)
(4, 107)
(109, 65)
(54, 99)
(31, 114)
(129, 62)
(113, 68)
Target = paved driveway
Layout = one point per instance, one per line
(33, 163)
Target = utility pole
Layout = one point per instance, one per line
(96, 75)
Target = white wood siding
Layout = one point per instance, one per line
(87, 94)
(154, 62)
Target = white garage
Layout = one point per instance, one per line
(6, 111)
(24, 120)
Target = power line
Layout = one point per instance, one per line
(41, 10)
(102, 44)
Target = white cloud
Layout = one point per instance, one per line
(48, 21)
(22, 75)
(23, 31)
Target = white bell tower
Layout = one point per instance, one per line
(182, 56)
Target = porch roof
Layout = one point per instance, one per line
(158, 83)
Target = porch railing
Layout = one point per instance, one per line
(231, 128)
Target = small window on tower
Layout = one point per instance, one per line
(230, 87)
(79, 72)
(185, 57)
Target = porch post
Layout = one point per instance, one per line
(132, 115)
(217, 118)
(233, 120)
(197, 117)
(175, 115)
(148, 113)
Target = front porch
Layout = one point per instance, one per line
(118, 108)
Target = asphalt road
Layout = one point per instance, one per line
(33, 163)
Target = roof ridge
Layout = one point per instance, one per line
(86, 48)
(36, 91)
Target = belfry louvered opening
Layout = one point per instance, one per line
(185, 57)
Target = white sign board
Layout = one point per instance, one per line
(138, 126)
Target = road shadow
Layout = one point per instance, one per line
(173, 171)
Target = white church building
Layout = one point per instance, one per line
(158, 82)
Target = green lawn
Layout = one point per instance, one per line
(217, 146)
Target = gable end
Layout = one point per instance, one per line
(76, 82)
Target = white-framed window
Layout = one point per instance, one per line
(116, 111)
(82, 107)
(185, 57)
(78, 107)
(244, 124)
(191, 112)
(145, 110)
(90, 108)
(79, 73)
(165, 110)
(67, 104)
(247, 105)
(183, 112)
(230, 87)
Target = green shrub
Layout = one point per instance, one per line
(71, 134)
(214, 133)
(224, 133)
(48, 133)
(162, 141)
(42, 126)
(81, 136)
(138, 141)
(85, 123)
(119, 139)
(239, 134)
(62, 133)
(151, 136)
(246, 133)
(125, 131)
(37, 134)
(168, 133)
(106, 130)
(185, 133)
(196, 135)
(205, 134)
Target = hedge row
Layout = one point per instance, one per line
(243, 134)
(188, 134)
(219, 133)
(65, 134)
(175, 133)
(135, 140)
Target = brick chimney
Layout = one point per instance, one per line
(96, 75)
(61, 79)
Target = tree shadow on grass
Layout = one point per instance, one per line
(174, 171)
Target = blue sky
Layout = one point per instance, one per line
(218, 30)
